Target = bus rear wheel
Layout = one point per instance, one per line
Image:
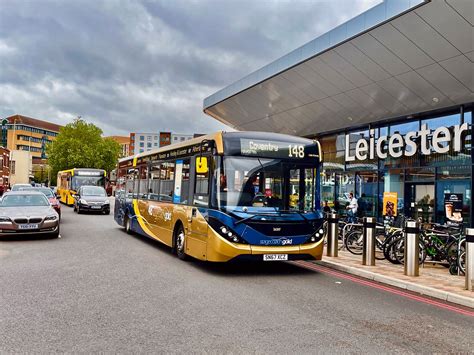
(180, 243)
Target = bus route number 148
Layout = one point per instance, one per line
(295, 151)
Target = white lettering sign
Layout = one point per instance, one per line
(397, 145)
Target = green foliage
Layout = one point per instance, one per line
(80, 145)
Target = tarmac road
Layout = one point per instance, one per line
(98, 289)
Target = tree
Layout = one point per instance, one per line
(80, 145)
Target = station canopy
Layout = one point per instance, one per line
(397, 59)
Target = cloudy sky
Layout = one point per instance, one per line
(145, 65)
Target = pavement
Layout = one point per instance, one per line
(98, 289)
(434, 280)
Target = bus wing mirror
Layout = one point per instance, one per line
(201, 165)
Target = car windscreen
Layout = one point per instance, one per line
(21, 187)
(47, 192)
(93, 191)
(24, 200)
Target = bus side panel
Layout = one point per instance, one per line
(151, 219)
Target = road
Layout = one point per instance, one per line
(98, 289)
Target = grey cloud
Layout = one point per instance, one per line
(144, 65)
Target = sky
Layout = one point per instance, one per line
(146, 66)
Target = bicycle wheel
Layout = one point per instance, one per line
(389, 246)
(462, 257)
(379, 245)
(354, 242)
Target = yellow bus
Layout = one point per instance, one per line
(226, 196)
(69, 181)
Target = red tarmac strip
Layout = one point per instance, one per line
(314, 267)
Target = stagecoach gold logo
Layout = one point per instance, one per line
(167, 216)
(280, 241)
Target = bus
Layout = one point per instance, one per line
(69, 181)
(226, 196)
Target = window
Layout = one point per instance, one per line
(182, 139)
(155, 138)
(12, 168)
(142, 138)
(201, 188)
(141, 150)
(148, 138)
(154, 182)
(155, 144)
(181, 186)
(148, 145)
(175, 138)
(166, 181)
(142, 144)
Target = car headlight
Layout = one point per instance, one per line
(5, 220)
(51, 218)
(106, 202)
(84, 202)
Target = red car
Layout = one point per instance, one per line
(52, 199)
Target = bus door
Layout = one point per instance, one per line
(198, 204)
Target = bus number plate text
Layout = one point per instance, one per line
(275, 257)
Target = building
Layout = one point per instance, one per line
(165, 138)
(389, 95)
(30, 134)
(21, 167)
(4, 168)
(143, 142)
(124, 143)
(179, 137)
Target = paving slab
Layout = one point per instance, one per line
(434, 280)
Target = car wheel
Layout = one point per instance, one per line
(78, 209)
(107, 212)
(55, 234)
(180, 243)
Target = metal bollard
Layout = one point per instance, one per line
(368, 246)
(412, 248)
(470, 259)
(333, 238)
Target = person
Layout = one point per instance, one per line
(326, 208)
(352, 208)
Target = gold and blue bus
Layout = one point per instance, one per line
(226, 196)
(69, 182)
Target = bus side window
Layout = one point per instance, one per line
(143, 186)
(167, 181)
(154, 182)
(201, 188)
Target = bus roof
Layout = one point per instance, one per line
(221, 138)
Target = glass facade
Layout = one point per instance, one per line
(421, 160)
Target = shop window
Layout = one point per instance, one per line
(453, 180)
(366, 188)
(420, 174)
(392, 180)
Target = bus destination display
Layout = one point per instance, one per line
(276, 149)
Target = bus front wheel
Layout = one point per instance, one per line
(180, 243)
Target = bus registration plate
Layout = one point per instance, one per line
(275, 257)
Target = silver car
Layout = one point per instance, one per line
(27, 213)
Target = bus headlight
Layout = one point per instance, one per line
(225, 232)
